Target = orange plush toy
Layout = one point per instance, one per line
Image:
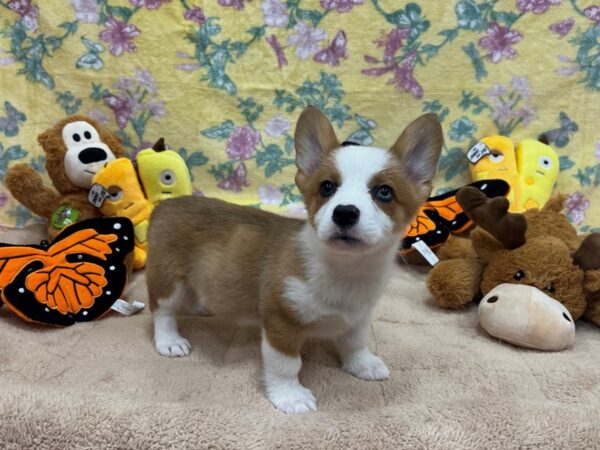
(75, 149)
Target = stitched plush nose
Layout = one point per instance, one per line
(92, 155)
(345, 216)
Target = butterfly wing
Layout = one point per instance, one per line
(450, 213)
(334, 52)
(424, 227)
(85, 273)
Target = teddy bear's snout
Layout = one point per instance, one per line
(92, 154)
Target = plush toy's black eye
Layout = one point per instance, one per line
(87, 135)
(383, 193)
(76, 137)
(550, 288)
(519, 275)
(327, 189)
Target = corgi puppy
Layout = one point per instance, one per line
(299, 279)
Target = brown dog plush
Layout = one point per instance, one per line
(538, 248)
(76, 148)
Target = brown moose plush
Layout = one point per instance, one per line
(537, 248)
(76, 148)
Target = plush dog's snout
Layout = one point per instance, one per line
(92, 155)
(345, 216)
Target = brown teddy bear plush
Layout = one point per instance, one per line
(76, 148)
(538, 248)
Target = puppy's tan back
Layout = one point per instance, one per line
(219, 249)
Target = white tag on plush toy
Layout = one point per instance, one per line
(126, 308)
(426, 252)
(477, 152)
(97, 195)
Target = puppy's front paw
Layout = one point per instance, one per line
(174, 346)
(292, 398)
(367, 366)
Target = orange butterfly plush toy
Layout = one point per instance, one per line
(76, 278)
(441, 216)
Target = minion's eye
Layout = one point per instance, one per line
(519, 275)
(496, 157)
(115, 193)
(167, 177)
(545, 162)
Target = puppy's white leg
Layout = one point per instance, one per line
(356, 357)
(167, 340)
(281, 381)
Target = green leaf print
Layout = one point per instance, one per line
(222, 131)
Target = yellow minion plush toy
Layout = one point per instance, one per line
(538, 169)
(499, 164)
(116, 191)
(163, 173)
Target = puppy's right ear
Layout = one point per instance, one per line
(314, 138)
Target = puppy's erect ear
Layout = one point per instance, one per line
(419, 147)
(314, 138)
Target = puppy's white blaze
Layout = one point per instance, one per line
(281, 380)
(357, 165)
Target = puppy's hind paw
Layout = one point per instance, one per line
(175, 346)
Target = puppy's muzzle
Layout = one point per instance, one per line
(345, 216)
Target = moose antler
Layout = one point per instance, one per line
(492, 215)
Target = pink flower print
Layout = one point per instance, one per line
(563, 27)
(341, 5)
(119, 35)
(276, 46)
(404, 79)
(145, 79)
(156, 108)
(392, 42)
(597, 154)
(592, 13)
(269, 194)
(499, 41)
(242, 143)
(235, 4)
(121, 107)
(86, 11)
(576, 205)
(521, 85)
(306, 39)
(195, 15)
(334, 52)
(536, 6)
(275, 13)
(277, 126)
(197, 193)
(98, 116)
(150, 4)
(236, 180)
(3, 199)
(527, 114)
(497, 90)
(28, 12)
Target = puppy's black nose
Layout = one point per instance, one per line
(345, 216)
(92, 155)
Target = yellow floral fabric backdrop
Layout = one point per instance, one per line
(223, 81)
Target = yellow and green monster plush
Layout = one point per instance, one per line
(116, 191)
(531, 169)
(163, 173)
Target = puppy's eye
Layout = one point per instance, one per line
(87, 135)
(327, 188)
(167, 177)
(519, 275)
(383, 193)
(76, 137)
(550, 288)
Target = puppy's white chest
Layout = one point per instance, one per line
(330, 310)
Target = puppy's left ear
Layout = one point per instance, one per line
(419, 148)
(314, 138)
